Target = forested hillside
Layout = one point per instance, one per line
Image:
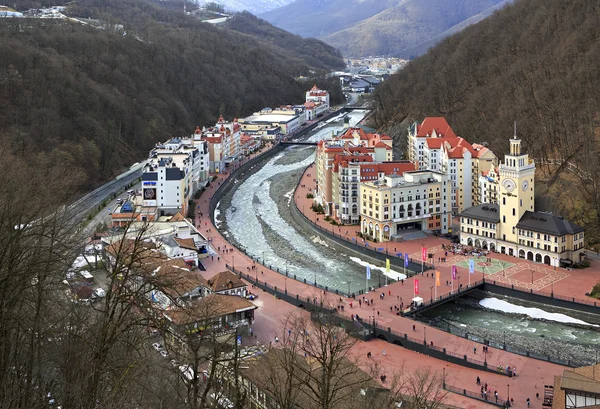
(98, 99)
(308, 51)
(536, 62)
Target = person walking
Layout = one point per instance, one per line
(528, 402)
(478, 381)
(474, 350)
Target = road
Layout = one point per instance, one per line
(81, 208)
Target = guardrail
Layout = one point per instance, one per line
(380, 253)
(132, 170)
(488, 398)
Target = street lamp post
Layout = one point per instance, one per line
(349, 288)
(425, 335)
(508, 393)
(263, 258)
(233, 263)
(531, 277)
(431, 293)
(285, 278)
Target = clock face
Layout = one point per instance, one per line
(150, 194)
(509, 185)
(525, 185)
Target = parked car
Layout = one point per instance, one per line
(99, 292)
(164, 353)
(158, 346)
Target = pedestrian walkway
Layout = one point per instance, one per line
(269, 315)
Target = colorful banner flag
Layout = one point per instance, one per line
(437, 278)
(387, 265)
(416, 286)
(471, 266)
(454, 272)
(405, 259)
(368, 272)
(424, 254)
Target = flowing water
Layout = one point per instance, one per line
(541, 329)
(257, 217)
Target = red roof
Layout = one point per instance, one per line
(439, 124)
(385, 137)
(396, 168)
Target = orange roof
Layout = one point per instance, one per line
(186, 243)
(178, 217)
(439, 124)
(385, 137)
(225, 280)
(209, 308)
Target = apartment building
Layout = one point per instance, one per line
(510, 224)
(488, 186)
(317, 100)
(433, 145)
(354, 145)
(395, 204)
(349, 172)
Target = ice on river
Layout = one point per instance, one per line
(216, 215)
(394, 275)
(536, 313)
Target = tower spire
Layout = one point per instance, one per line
(515, 137)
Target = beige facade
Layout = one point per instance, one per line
(418, 200)
(433, 145)
(507, 223)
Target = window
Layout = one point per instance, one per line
(503, 219)
(503, 200)
(514, 211)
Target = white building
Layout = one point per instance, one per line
(318, 96)
(287, 122)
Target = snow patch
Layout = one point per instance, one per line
(535, 313)
(392, 274)
(289, 196)
(216, 215)
(318, 240)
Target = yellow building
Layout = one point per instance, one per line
(511, 226)
(395, 205)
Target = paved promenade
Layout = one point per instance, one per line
(532, 374)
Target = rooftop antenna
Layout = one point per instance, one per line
(515, 129)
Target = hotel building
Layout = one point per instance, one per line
(433, 145)
(395, 204)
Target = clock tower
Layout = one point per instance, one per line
(516, 184)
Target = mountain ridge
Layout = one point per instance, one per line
(361, 28)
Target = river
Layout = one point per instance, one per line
(541, 329)
(256, 216)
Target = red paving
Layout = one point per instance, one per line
(272, 312)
